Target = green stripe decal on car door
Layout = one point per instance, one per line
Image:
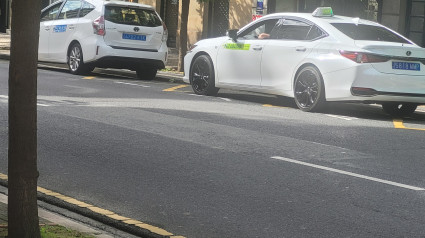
(236, 46)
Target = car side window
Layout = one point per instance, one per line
(70, 9)
(260, 30)
(289, 29)
(50, 13)
(314, 33)
(86, 9)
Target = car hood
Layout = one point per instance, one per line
(212, 41)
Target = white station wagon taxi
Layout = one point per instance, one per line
(109, 34)
(313, 58)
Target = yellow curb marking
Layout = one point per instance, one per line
(132, 222)
(118, 217)
(175, 88)
(78, 203)
(3, 176)
(398, 124)
(63, 197)
(90, 77)
(101, 211)
(155, 229)
(269, 105)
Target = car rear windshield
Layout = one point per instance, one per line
(368, 32)
(132, 16)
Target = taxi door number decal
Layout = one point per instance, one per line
(59, 28)
(237, 46)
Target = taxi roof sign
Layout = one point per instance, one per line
(323, 12)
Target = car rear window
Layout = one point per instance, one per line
(132, 16)
(368, 32)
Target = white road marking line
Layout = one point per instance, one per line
(349, 174)
(39, 104)
(42, 105)
(133, 84)
(196, 95)
(226, 99)
(342, 117)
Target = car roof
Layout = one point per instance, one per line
(321, 20)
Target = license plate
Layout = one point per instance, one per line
(407, 66)
(133, 37)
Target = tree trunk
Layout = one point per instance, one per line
(23, 174)
(183, 33)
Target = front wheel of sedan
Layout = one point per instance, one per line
(399, 109)
(202, 76)
(309, 90)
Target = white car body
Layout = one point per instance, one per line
(271, 65)
(106, 49)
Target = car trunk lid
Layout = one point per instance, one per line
(403, 59)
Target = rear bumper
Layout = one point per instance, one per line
(119, 62)
(105, 56)
(364, 83)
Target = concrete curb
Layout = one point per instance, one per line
(4, 56)
(106, 217)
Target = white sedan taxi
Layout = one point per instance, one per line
(313, 58)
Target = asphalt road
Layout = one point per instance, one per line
(236, 165)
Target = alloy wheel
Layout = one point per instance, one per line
(307, 89)
(75, 58)
(200, 76)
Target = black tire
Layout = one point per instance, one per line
(309, 90)
(147, 74)
(202, 76)
(75, 60)
(399, 109)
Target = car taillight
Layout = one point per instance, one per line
(165, 33)
(360, 57)
(99, 26)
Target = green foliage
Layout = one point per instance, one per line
(54, 231)
(61, 232)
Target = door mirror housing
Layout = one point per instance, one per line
(233, 33)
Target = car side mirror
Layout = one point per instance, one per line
(233, 33)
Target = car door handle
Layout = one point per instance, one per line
(71, 27)
(301, 49)
(257, 48)
(47, 28)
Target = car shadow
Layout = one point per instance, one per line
(357, 110)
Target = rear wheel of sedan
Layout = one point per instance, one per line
(399, 109)
(75, 61)
(146, 73)
(202, 76)
(309, 90)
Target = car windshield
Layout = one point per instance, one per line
(132, 16)
(368, 32)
